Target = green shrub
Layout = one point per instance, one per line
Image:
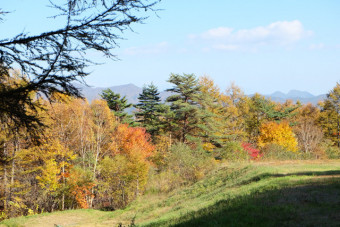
(330, 149)
(163, 181)
(277, 152)
(183, 165)
(190, 164)
(232, 151)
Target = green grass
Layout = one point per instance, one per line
(303, 193)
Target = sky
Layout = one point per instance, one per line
(261, 46)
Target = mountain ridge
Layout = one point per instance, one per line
(131, 91)
(296, 95)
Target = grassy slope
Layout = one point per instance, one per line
(259, 194)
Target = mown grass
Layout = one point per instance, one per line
(292, 193)
(85, 217)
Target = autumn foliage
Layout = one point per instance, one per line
(86, 157)
(130, 141)
(65, 170)
(254, 153)
(277, 133)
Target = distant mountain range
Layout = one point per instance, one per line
(132, 92)
(294, 95)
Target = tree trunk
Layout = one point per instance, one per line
(338, 132)
(5, 187)
(5, 179)
(123, 193)
(137, 187)
(185, 125)
(15, 150)
(12, 177)
(63, 196)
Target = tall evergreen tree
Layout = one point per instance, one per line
(150, 110)
(184, 105)
(117, 105)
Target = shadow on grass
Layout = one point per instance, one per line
(306, 173)
(311, 173)
(314, 203)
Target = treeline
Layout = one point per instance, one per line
(198, 113)
(98, 156)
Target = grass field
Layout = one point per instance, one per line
(293, 193)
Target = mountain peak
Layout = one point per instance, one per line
(294, 95)
(130, 85)
(299, 94)
(278, 94)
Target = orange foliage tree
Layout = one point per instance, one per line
(81, 186)
(131, 141)
(124, 171)
(135, 144)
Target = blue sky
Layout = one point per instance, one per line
(262, 46)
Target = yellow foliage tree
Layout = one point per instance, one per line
(277, 133)
(223, 113)
(236, 105)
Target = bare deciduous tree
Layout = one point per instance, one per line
(309, 135)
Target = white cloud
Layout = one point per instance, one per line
(157, 48)
(322, 46)
(277, 33)
(220, 32)
(318, 46)
(182, 50)
(225, 47)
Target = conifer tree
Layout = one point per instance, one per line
(150, 110)
(184, 105)
(117, 105)
(56, 58)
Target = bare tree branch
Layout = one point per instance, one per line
(54, 59)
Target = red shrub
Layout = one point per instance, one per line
(253, 152)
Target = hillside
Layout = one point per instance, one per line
(293, 193)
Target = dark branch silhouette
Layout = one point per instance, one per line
(53, 60)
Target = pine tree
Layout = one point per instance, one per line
(150, 110)
(184, 105)
(117, 105)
